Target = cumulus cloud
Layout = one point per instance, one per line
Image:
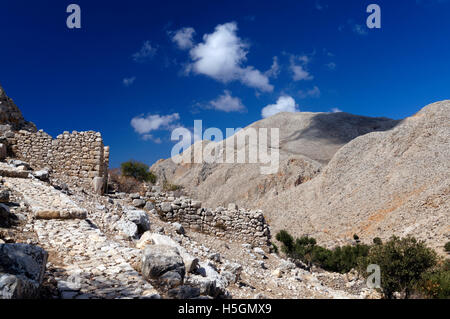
(221, 56)
(284, 104)
(298, 68)
(146, 124)
(227, 103)
(314, 92)
(183, 38)
(336, 110)
(129, 81)
(146, 52)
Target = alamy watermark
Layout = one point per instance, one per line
(374, 279)
(248, 146)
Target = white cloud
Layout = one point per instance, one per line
(284, 104)
(149, 137)
(227, 103)
(336, 110)
(129, 81)
(183, 38)
(314, 92)
(221, 56)
(145, 125)
(299, 73)
(145, 53)
(274, 69)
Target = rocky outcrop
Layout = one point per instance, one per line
(163, 264)
(11, 117)
(21, 271)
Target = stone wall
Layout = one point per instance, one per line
(234, 223)
(76, 157)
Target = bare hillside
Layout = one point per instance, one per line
(307, 142)
(380, 184)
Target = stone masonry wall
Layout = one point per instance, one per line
(76, 157)
(234, 223)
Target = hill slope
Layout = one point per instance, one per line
(379, 184)
(307, 142)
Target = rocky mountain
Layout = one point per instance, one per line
(10, 115)
(308, 141)
(381, 184)
(340, 175)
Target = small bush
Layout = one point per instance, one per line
(402, 263)
(287, 240)
(119, 183)
(275, 248)
(447, 247)
(377, 241)
(305, 249)
(137, 170)
(435, 284)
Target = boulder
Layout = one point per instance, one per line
(127, 228)
(44, 175)
(145, 240)
(139, 203)
(135, 196)
(234, 269)
(215, 257)
(22, 270)
(163, 264)
(207, 270)
(149, 206)
(190, 262)
(166, 207)
(205, 285)
(140, 218)
(179, 228)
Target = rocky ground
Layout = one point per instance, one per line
(105, 247)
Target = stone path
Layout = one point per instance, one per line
(45, 201)
(89, 264)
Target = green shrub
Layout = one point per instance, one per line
(287, 240)
(275, 248)
(402, 263)
(305, 249)
(436, 283)
(377, 241)
(137, 170)
(447, 247)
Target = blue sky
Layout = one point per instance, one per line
(137, 69)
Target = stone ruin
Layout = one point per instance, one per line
(234, 223)
(77, 158)
(81, 159)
